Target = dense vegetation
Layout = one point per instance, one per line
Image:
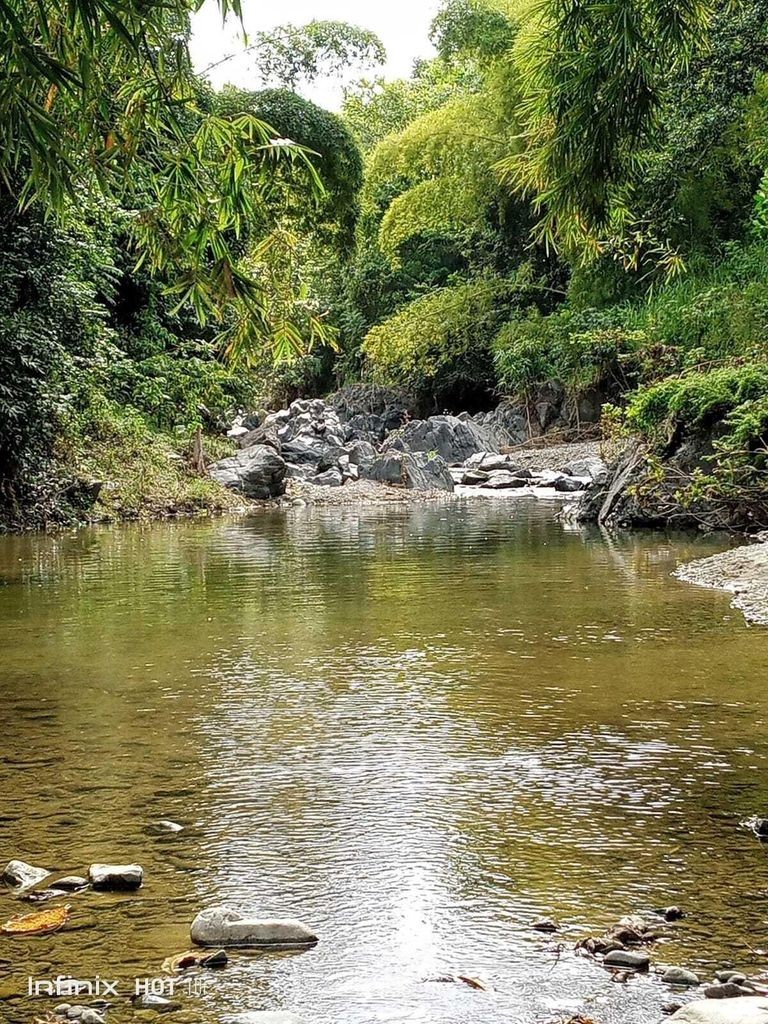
(566, 192)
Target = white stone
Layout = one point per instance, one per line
(111, 877)
(743, 1010)
(224, 926)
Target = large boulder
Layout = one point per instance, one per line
(311, 450)
(453, 439)
(257, 472)
(416, 471)
(224, 926)
(744, 1010)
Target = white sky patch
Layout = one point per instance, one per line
(402, 25)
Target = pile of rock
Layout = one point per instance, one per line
(309, 441)
(493, 472)
(313, 441)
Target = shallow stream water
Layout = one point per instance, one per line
(417, 729)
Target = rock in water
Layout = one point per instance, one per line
(257, 472)
(679, 976)
(159, 1004)
(115, 877)
(71, 883)
(746, 1010)
(20, 875)
(627, 958)
(224, 926)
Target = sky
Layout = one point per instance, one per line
(402, 25)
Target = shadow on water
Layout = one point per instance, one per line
(418, 729)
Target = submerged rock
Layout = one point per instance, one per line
(20, 876)
(749, 1010)
(70, 883)
(164, 825)
(147, 1001)
(224, 926)
(546, 924)
(115, 877)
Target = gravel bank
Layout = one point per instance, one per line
(540, 456)
(742, 572)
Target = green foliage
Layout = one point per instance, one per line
(335, 157)
(697, 398)
(291, 54)
(375, 108)
(439, 346)
(472, 28)
(593, 77)
(579, 349)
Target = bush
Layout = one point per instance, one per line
(580, 349)
(439, 347)
(696, 399)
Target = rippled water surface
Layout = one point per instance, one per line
(416, 729)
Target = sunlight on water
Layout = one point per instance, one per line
(418, 730)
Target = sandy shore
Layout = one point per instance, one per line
(742, 572)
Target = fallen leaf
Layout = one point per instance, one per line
(43, 922)
(472, 982)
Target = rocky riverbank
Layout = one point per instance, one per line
(742, 571)
(313, 448)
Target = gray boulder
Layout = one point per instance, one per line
(360, 453)
(571, 484)
(416, 471)
(679, 976)
(20, 875)
(330, 478)
(507, 424)
(224, 926)
(320, 453)
(548, 478)
(453, 439)
(115, 877)
(593, 469)
(500, 480)
(257, 472)
(745, 1010)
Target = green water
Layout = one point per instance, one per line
(416, 729)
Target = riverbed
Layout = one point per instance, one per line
(419, 729)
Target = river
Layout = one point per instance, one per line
(417, 729)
